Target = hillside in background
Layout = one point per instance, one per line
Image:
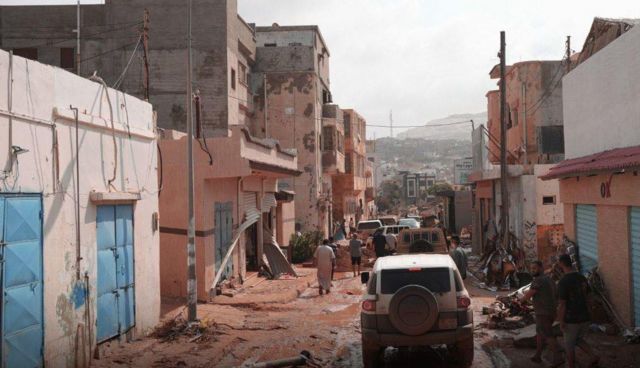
(456, 132)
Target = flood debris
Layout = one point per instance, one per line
(508, 313)
(303, 359)
(178, 327)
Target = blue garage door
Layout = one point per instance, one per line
(635, 261)
(21, 276)
(116, 305)
(587, 237)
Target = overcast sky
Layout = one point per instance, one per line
(426, 59)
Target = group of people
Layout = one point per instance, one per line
(325, 258)
(565, 303)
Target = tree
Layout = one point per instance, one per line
(390, 196)
(439, 187)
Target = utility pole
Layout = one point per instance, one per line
(145, 49)
(504, 194)
(568, 56)
(192, 297)
(391, 122)
(77, 30)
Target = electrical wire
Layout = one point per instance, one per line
(120, 79)
(106, 52)
(374, 125)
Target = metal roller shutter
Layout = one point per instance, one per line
(587, 237)
(268, 201)
(635, 261)
(249, 202)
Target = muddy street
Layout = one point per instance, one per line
(239, 333)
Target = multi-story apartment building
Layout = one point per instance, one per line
(349, 189)
(534, 141)
(292, 63)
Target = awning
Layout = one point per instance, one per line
(612, 160)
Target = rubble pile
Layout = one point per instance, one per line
(507, 313)
(178, 327)
(343, 258)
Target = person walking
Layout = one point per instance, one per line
(324, 258)
(352, 226)
(355, 248)
(459, 256)
(334, 248)
(573, 311)
(379, 244)
(543, 291)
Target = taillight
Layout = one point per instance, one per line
(463, 302)
(369, 306)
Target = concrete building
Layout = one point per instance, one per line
(237, 208)
(223, 48)
(599, 181)
(350, 199)
(78, 216)
(293, 64)
(534, 141)
(415, 186)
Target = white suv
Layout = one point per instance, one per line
(415, 300)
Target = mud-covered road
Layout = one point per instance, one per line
(327, 326)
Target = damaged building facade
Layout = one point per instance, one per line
(78, 216)
(292, 62)
(534, 144)
(599, 181)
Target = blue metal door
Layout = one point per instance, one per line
(635, 262)
(21, 277)
(116, 302)
(587, 237)
(224, 234)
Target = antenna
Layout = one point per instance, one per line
(391, 122)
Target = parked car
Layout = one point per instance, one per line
(415, 300)
(422, 240)
(411, 222)
(388, 220)
(366, 228)
(393, 229)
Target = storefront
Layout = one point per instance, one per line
(601, 198)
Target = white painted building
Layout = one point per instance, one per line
(601, 109)
(80, 266)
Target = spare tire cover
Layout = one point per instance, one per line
(413, 310)
(420, 246)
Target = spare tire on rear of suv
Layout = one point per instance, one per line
(413, 310)
(420, 246)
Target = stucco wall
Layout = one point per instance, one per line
(613, 229)
(547, 214)
(38, 92)
(601, 99)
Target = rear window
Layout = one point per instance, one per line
(368, 225)
(434, 236)
(388, 221)
(435, 279)
(373, 281)
(425, 236)
(406, 238)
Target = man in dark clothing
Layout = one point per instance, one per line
(543, 291)
(379, 244)
(573, 311)
(459, 256)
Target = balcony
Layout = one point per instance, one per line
(332, 162)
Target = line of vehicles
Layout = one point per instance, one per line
(415, 298)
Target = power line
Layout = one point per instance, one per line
(106, 52)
